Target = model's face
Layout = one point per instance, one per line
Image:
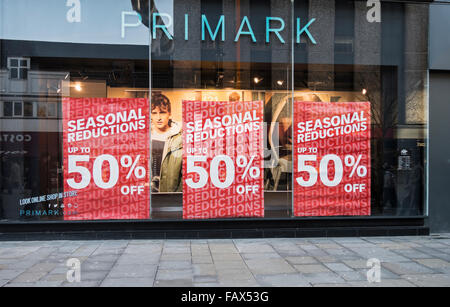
(160, 118)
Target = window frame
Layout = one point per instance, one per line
(4, 102)
(14, 109)
(18, 67)
(32, 103)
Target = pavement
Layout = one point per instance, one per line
(298, 262)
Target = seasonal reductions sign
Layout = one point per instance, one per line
(331, 158)
(106, 154)
(219, 151)
(223, 159)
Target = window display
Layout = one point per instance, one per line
(194, 110)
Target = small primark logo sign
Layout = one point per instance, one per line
(274, 27)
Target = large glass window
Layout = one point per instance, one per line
(156, 109)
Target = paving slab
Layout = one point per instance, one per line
(287, 249)
(143, 249)
(29, 277)
(254, 247)
(184, 274)
(317, 253)
(403, 268)
(389, 283)
(338, 267)
(128, 282)
(24, 264)
(93, 275)
(442, 256)
(382, 254)
(205, 279)
(227, 265)
(429, 280)
(328, 246)
(42, 267)
(226, 257)
(48, 284)
(322, 278)
(235, 275)
(222, 248)
(433, 263)
(18, 285)
(141, 259)
(412, 253)
(359, 284)
(87, 284)
(336, 285)
(54, 277)
(307, 247)
(69, 248)
(357, 240)
(301, 260)
(133, 271)
(204, 270)
(356, 264)
(89, 265)
(282, 280)
(352, 275)
(338, 252)
(271, 266)
(267, 256)
(175, 264)
(84, 250)
(202, 259)
(10, 274)
(174, 283)
(169, 256)
(311, 268)
(207, 284)
(327, 258)
(242, 283)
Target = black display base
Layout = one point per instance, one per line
(214, 229)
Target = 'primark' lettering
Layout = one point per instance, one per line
(274, 28)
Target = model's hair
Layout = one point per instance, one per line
(160, 101)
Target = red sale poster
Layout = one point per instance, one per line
(222, 159)
(106, 154)
(331, 158)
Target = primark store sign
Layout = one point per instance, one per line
(273, 25)
(117, 22)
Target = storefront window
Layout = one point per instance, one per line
(156, 109)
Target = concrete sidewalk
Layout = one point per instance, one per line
(405, 261)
